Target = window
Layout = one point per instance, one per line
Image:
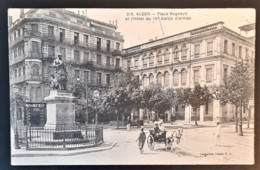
(145, 81)
(35, 46)
(99, 59)
(151, 79)
(225, 72)
(167, 57)
(19, 72)
(209, 75)
(159, 58)
(51, 51)
(99, 78)
(76, 74)
(184, 53)
(145, 61)
(136, 63)
(23, 70)
(175, 78)
(15, 73)
(86, 76)
(128, 64)
(98, 43)
(233, 49)
(117, 46)
(50, 31)
(14, 34)
(247, 54)
(196, 76)
(117, 62)
(76, 56)
(86, 57)
(15, 53)
(19, 32)
(35, 69)
(85, 38)
(166, 79)
(151, 60)
(34, 28)
(108, 46)
(159, 79)
(62, 35)
(209, 48)
(176, 54)
(19, 51)
(76, 38)
(240, 52)
(226, 46)
(108, 79)
(63, 52)
(108, 61)
(183, 77)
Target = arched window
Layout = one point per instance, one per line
(151, 79)
(145, 60)
(176, 54)
(167, 56)
(184, 50)
(175, 78)
(159, 79)
(145, 81)
(159, 58)
(151, 60)
(35, 69)
(166, 79)
(183, 77)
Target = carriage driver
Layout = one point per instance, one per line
(157, 130)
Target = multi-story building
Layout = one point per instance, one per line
(199, 56)
(91, 50)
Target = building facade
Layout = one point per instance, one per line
(91, 50)
(199, 56)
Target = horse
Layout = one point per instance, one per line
(174, 136)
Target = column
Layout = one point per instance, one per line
(169, 115)
(188, 113)
(217, 111)
(141, 115)
(202, 111)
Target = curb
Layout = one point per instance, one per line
(62, 153)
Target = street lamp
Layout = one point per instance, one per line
(16, 135)
(96, 94)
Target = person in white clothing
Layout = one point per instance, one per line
(218, 133)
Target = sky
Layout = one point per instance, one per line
(140, 25)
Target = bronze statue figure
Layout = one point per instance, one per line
(59, 78)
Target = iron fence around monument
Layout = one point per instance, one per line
(61, 137)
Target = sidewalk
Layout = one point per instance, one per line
(33, 153)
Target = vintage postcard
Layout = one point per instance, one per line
(132, 86)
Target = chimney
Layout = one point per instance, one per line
(21, 13)
(10, 21)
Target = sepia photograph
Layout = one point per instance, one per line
(132, 86)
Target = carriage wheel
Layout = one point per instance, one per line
(150, 142)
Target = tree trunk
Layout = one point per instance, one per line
(96, 117)
(248, 118)
(117, 121)
(240, 131)
(195, 116)
(236, 120)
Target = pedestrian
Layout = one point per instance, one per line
(141, 139)
(218, 133)
(128, 123)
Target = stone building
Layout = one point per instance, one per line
(199, 56)
(91, 50)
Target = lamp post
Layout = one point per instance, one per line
(96, 96)
(16, 135)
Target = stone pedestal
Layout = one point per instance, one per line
(60, 110)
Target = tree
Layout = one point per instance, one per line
(238, 87)
(195, 98)
(117, 99)
(18, 100)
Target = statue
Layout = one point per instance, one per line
(59, 78)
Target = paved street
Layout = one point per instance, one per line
(197, 147)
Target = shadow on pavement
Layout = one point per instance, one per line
(149, 153)
(183, 153)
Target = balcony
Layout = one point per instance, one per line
(28, 33)
(33, 78)
(17, 59)
(183, 58)
(50, 38)
(34, 55)
(116, 52)
(16, 40)
(17, 79)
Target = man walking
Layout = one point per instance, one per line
(141, 139)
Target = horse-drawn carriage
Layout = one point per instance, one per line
(166, 137)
